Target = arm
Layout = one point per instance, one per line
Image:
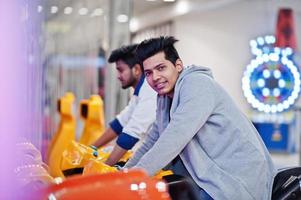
(115, 155)
(143, 114)
(196, 104)
(116, 126)
(147, 144)
(123, 144)
(136, 122)
(106, 137)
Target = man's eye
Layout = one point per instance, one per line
(160, 68)
(147, 74)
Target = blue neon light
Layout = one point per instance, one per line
(271, 82)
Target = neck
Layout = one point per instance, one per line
(137, 81)
(170, 95)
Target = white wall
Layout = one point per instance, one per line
(219, 38)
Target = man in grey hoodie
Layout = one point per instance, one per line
(199, 131)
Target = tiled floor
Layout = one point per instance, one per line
(282, 160)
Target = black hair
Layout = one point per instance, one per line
(126, 54)
(150, 47)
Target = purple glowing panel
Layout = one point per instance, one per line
(18, 88)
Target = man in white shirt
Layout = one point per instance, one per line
(136, 118)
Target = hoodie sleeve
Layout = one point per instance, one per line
(148, 142)
(196, 102)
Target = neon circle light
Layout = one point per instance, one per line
(271, 82)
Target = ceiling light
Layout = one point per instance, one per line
(97, 12)
(54, 9)
(182, 7)
(169, 0)
(134, 25)
(40, 8)
(122, 18)
(83, 11)
(68, 10)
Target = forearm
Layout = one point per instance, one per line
(107, 136)
(115, 155)
(186, 121)
(136, 157)
(149, 141)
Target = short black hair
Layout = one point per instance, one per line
(150, 47)
(126, 53)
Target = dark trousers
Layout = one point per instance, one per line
(178, 168)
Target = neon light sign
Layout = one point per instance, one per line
(271, 82)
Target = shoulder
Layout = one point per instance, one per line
(146, 90)
(195, 84)
(196, 79)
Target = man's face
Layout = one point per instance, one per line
(125, 74)
(161, 74)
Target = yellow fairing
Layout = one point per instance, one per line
(126, 156)
(77, 155)
(162, 173)
(98, 167)
(64, 135)
(92, 113)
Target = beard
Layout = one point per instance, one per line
(129, 83)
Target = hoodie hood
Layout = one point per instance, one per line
(193, 69)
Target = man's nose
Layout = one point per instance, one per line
(155, 76)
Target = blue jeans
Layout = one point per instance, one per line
(204, 195)
(178, 168)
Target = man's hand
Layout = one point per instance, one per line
(105, 138)
(115, 155)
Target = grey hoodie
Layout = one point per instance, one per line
(218, 145)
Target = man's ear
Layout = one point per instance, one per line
(179, 65)
(137, 70)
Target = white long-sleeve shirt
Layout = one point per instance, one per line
(137, 117)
